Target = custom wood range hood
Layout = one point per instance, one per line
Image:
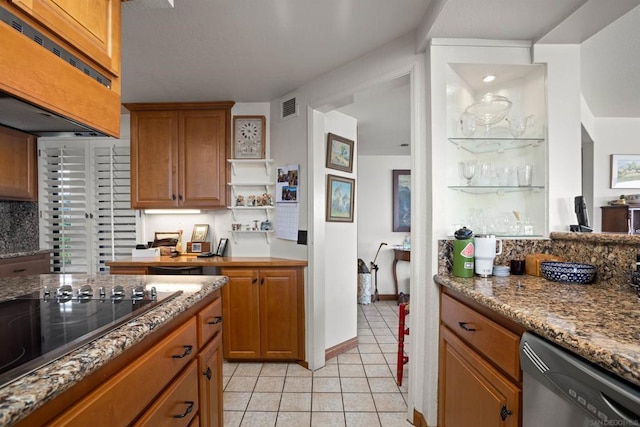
(60, 67)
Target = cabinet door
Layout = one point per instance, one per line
(280, 320)
(203, 160)
(91, 27)
(154, 159)
(472, 392)
(18, 175)
(240, 314)
(210, 383)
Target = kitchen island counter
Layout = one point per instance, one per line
(599, 322)
(24, 395)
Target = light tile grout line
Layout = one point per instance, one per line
(369, 316)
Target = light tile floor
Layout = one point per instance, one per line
(357, 388)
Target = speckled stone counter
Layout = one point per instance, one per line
(20, 397)
(24, 253)
(598, 322)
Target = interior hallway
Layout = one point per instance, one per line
(357, 388)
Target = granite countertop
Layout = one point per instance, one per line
(599, 322)
(23, 395)
(25, 253)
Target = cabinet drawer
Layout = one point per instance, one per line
(24, 266)
(495, 342)
(136, 270)
(177, 405)
(210, 321)
(124, 396)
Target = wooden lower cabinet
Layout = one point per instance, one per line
(210, 383)
(177, 382)
(480, 381)
(263, 311)
(25, 265)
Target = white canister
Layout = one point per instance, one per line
(487, 247)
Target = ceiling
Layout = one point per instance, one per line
(257, 51)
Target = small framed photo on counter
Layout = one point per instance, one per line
(200, 233)
(196, 247)
(222, 247)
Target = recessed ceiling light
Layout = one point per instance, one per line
(488, 78)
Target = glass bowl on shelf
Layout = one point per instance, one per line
(490, 110)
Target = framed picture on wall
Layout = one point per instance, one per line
(401, 200)
(340, 196)
(625, 171)
(249, 137)
(339, 153)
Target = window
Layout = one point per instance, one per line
(84, 203)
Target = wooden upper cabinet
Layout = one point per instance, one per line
(178, 155)
(78, 65)
(154, 158)
(85, 25)
(202, 158)
(18, 166)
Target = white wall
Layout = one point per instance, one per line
(375, 219)
(611, 136)
(302, 140)
(564, 132)
(341, 240)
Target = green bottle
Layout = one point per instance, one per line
(463, 251)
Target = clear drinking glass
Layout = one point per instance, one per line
(525, 175)
(468, 171)
(468, 124)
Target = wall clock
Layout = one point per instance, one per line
(249, 137)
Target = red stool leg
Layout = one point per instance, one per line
(402, 359)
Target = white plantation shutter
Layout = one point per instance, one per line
(63, 207)
(85, 215)
(114, 222)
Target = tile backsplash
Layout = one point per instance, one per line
(18, 227)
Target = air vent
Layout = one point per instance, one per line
(48, 44)
(288, 107)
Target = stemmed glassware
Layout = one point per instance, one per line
(468, 171)
(518, 125)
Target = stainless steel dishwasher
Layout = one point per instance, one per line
(563, 390)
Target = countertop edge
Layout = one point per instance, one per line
(24, 253)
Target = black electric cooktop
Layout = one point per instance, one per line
(40, 327)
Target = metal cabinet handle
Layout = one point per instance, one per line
(187, 411)
(464, 326)
(216, 320)
(262, 281)
(173, 197)
(207, 373)
(19, 270)
(187, 351)
(504, 412)
(254, 281)
(179, 196)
